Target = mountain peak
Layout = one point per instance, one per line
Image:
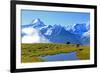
(37, 23)
(35, 20)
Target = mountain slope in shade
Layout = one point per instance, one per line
(56, 33)
(81, 30)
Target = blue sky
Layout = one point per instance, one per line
(52, 17)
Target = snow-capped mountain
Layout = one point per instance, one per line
(37, 23)
(62, 36)
(55, 33)
(79, 28)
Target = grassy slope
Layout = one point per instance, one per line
(31, 52)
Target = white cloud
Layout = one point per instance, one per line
(86, 34)
(33, 36)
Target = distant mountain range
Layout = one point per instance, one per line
(38, 32)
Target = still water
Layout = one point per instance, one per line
(61, 57)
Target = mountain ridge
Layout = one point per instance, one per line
(59, 34)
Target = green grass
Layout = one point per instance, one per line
(31, 52)
(26, 59)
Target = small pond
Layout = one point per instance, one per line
(61, 57)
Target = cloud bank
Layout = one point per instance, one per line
(33, 36)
